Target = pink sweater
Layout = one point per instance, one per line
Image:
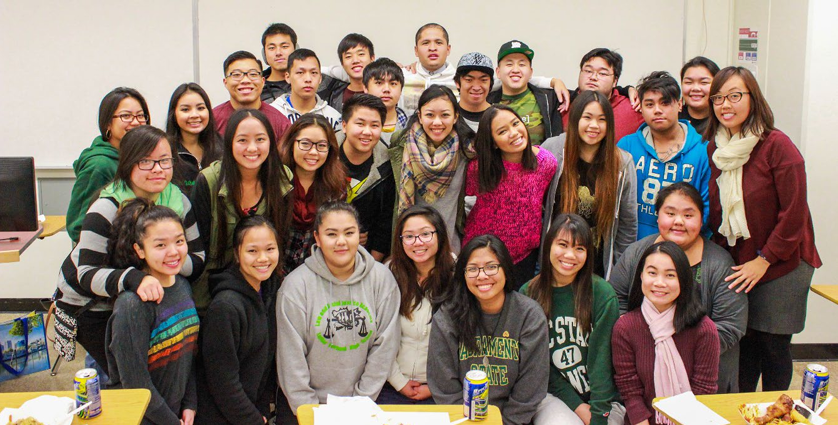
(513, 211)
(633, 355)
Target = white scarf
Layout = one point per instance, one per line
(731, 154)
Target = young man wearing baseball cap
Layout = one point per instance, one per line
(474, 78)
(538, 108)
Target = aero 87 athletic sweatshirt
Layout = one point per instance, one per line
(336, 337)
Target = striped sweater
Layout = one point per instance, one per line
(153, 346)
(83, 275)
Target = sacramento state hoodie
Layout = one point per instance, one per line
(336, 337)
(689, 165)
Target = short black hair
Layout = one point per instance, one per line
(353, 40)
(462, 72)
(660, 82)
(700, 61)
(363, 100)
(612, 58)
(239, 55)
(382, 68)
(432, 25)
(682, 188)
(283, 29)
(302, 54)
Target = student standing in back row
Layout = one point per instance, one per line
(696, 77)
(191, 128)
(278, 41)
(474, 79)
(384, 79)
(304, 77)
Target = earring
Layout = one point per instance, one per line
(107, 134)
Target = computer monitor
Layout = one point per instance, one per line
(18, 204)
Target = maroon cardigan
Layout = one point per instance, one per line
(633, 355)
(774, 186)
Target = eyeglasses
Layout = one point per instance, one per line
(411, 239)
(734, 97)
(488, 270)
(148, 164)
(305, 145)
(237, 75)
(128, 118)
(590, 73)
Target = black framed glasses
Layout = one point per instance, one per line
(238, 75)
(734, 97)
(411, 239)
(148, 164)
(306, 145)
(488, 270)
(128, 117)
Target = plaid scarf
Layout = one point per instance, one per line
(427, 170)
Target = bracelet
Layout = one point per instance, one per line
(761, 255)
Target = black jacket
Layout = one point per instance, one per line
(331, 90)
(235, 366)
(548, 103)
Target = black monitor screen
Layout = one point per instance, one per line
(18, 204)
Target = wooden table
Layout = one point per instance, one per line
(10, 251)
(119, 407)
(52, 225)
(829, 292)
(305, 414)
(727, 405)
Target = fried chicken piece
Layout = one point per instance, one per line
(779, 409)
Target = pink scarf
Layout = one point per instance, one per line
(670, 374)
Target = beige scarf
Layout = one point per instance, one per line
(731, 154)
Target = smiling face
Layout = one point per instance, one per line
(338, 238)
(258, 255)
(191, 113)
(277, 49)
(597, 75)
(312, 159)
(567, 258)
(421, 251)
(488, 289)
(164, 248)
(304, 77)
(355, 60)
(679, 220)
(148, 183)
(514, 71)
(437, 118)
(432, 49)
(592, 124)
(244, 93)
(251, 144)
(117, 127)
(696, 86)
(733, 115)
(474, 88)
(659, 113)
(660, 281)
(388, 89)
(510, 135)
(362, 131)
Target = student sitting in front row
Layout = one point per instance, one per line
(577, 302)
(487, 326)
(664, 345)
(152, 345)
(384, 79)
(304, 77)
(337, 318)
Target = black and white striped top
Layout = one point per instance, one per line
(84, 275)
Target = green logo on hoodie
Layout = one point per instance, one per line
(344, 318)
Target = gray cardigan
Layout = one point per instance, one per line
(727, 309)
(624, 230)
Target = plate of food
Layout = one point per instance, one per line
(784, 411)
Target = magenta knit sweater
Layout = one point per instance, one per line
(633, 355)
(513, 211)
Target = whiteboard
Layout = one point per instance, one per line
(60, 58)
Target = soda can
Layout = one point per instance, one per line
(88, 389)
(475, 395)
(815, 386)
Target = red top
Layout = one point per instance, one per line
(774, 186)
(279, 122)
(633, 355)
(626, 119)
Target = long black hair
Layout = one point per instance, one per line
(490, 169)
(688, 309)
(209, 139)
(464, 305)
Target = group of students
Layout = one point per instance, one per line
(381, 232)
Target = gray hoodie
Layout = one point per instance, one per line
(336, 337)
